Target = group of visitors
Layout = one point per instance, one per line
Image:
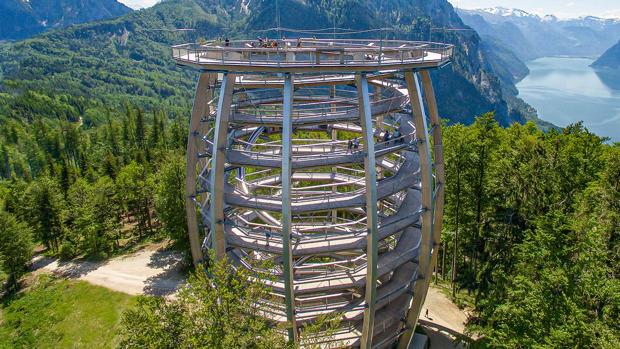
(261, 43)
(394, 138)
(268, 43)
(388, 138)
(265, 43)
(353, 144)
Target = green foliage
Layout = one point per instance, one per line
(170, 199)
(218, 308)
(531, 229)
(46, 211)
(211, 312)
(128, 58)
(532, 218)
(15, 247)
(62, 314)
(88, 188)
(135, 189)
(94, 216)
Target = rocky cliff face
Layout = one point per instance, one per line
(24, 18)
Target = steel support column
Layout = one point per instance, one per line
(218, 162)
(197, 128)
(424, 267)
(370, 170)
(334, 134)
(440, 175)
(287, 225)
(377, 98)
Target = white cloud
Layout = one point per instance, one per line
(615, 13)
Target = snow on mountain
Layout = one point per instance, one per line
(507, 12)
(550, 18)
(518, 13)
(531, 36)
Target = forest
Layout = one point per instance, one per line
(87, 190)
(531, 232)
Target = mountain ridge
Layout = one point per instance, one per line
(128, 58)
(531, 36)
(610, 59)
(508, 12)
(20, 19)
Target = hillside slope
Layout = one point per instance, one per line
(128, 58)
(24, 18)
(610, 59)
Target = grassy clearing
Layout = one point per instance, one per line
(55, 313)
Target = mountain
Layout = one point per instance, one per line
(610, 59)
(531, 36)
(128, 58)
(24, 18)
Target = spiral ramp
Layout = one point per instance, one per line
(292, 177)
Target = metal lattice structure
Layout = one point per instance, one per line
(288, 161)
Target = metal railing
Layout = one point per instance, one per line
(312, 53)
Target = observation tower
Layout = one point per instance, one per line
(315, 155)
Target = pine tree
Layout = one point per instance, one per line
(170, 199)
(134, 186)
(46, 211)
(15, 247)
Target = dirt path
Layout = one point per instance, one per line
(445, 320)
(158, 272)
(147, 271)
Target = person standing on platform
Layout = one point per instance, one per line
(386, 137)
(397, 137)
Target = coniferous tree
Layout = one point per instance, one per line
(457, 159)
(5, 165)
(170, 199)
(46, 211)
(15, 247)
(134, 186)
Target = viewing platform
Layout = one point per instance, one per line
(309, 55)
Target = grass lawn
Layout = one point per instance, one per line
(57, 313)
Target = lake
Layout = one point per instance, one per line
(567, 90)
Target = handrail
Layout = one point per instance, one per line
(311, 53)
(328, 46)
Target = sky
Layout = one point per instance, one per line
(560, 8)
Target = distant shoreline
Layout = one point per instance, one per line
(563, 56)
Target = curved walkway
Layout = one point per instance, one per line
(389, 186)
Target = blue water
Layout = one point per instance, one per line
(567, 90)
